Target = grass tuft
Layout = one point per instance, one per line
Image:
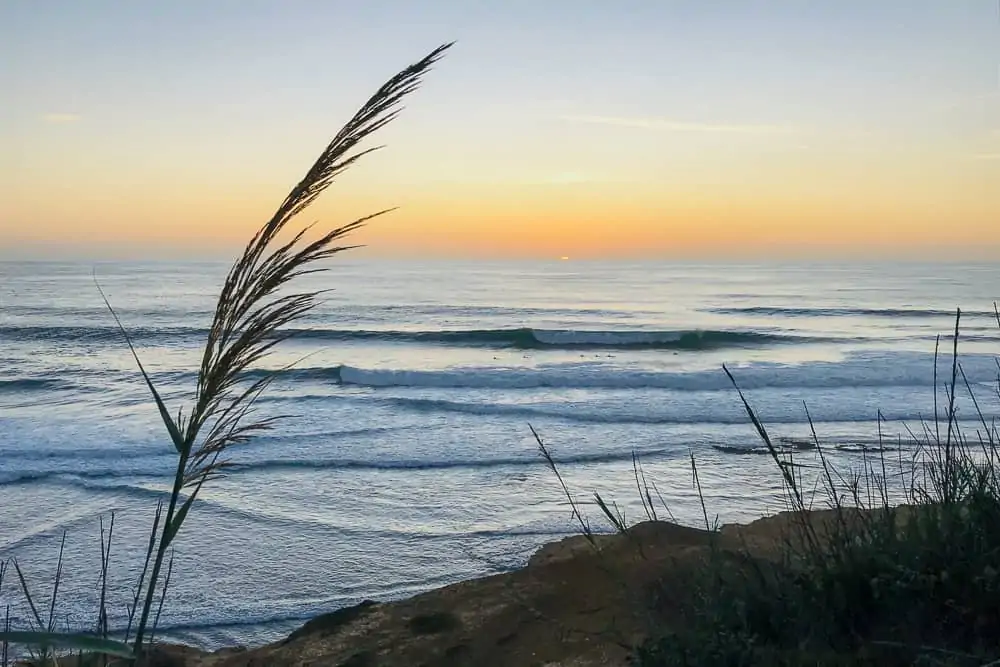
(869, 582)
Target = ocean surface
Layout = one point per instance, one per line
(407, 461)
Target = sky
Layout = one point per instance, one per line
(580, 128)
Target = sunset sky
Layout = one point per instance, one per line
(651, 128)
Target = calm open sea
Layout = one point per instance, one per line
(409, 463)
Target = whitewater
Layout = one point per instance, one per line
(406, 460)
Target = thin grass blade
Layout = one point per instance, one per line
(27, 593)
(168, 421)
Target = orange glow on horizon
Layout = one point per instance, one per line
(578, 220)
(888, 199)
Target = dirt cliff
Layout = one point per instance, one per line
(574, 604)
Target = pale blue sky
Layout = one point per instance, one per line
(796, 61)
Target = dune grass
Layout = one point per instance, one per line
(256, 305)
(867, 582)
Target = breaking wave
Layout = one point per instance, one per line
(519, 338)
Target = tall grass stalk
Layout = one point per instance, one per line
(256, 305)
(250, 319)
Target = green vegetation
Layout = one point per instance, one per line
(252, 313)
(864, 582)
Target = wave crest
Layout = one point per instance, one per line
(18, 385)
(518, 338)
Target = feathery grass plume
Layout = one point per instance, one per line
(250, 319)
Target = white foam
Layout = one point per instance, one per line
(892, 370)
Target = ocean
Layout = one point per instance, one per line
(406, 461)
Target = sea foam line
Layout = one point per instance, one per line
(517, 338)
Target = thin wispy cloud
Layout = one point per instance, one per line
(59, 118)
(986, 156)
(668, 125)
